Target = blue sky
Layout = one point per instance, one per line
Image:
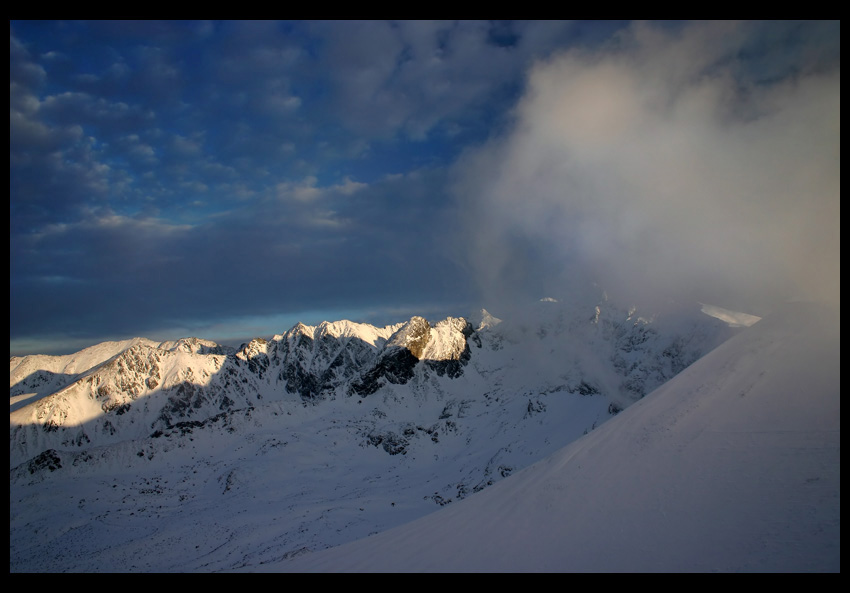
(228, 179)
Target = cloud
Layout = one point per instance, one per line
(660, 168)
(252, 168)
(22, 68)
(351, 245)
(410, 78)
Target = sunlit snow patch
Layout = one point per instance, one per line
(733, 318)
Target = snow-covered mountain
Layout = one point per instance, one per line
(732, 466)
(191, 456)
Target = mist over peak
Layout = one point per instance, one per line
(662, 169)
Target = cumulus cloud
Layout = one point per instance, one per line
(662, 168)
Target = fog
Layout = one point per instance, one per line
(672, 165)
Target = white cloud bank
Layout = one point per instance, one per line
(662, 169)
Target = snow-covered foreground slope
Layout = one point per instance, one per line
(733, 465)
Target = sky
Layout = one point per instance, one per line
(228, 179)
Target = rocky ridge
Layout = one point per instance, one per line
(148, 389)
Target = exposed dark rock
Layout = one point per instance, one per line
(48, 460)
(535, 406)
(585, 388)
(390, 442)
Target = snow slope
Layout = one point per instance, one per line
(733, 465)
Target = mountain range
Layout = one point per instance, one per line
(191, 456)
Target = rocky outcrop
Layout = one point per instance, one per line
(442, 349)
(412, 336)
(449, 352)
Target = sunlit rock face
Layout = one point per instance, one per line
(396, 362)
(448, 352)
(413, 336)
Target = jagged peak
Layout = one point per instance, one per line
(256, 347)
(134, 352)
(193, 345)
(351, 329)
(413, 335)
(447, 339)
(483, 319)
(299, 329)
(376, 336)
(456, 322)
(303, 328)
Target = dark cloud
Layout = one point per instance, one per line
(299, 248)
